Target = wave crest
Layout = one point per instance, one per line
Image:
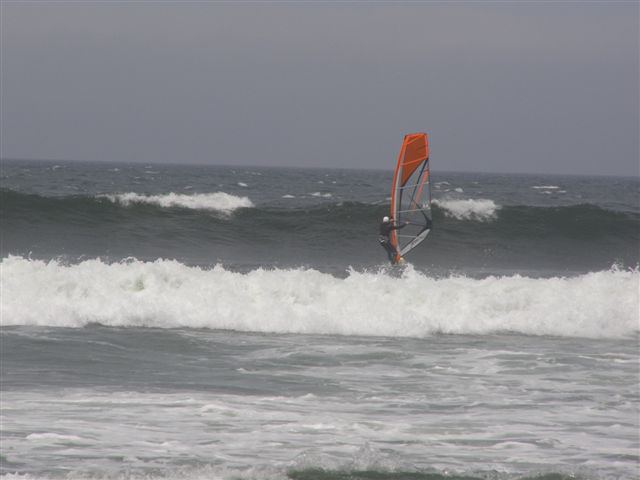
(470, 209)
(218, 201)
(168, 294)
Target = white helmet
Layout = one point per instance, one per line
(385, 219)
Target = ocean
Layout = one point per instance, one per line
(211, 322)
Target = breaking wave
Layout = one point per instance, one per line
(465, 232)
(218, 201)
(169, 294)
(470, 209)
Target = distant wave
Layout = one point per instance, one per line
(219, 201)
(470, 209)
(454, 220)
(168, 294)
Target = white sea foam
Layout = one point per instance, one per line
(219, 201)
(320, 194)
(242, 184)
(55, 437)
(545, 187)
(168, 294)
(288, 196)
(478, 209)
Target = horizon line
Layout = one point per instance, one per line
(306, 167)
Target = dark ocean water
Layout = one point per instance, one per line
(216, 322)
(323, 219)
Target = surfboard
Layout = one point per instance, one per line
(411, 194)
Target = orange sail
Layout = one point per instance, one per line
(411, 194)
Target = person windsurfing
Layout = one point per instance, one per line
(410, 199)
(386, 227)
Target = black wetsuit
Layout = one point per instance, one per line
(385, 230)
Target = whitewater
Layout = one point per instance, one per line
(217, 201)
(192, 322)
(168, 294)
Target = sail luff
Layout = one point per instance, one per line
(395, 190)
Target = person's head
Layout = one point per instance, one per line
(385, 219)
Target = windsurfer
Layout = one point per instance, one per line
(386, 227)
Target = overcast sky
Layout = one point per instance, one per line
(540, 87)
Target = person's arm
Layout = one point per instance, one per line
(398, 227)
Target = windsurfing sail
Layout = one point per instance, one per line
(411, 194)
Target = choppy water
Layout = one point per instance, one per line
(217, 322)
(325, 219)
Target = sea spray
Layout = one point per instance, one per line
(470, 209)
(169, 294)
(219, 201)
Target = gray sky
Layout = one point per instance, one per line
(535, 87)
